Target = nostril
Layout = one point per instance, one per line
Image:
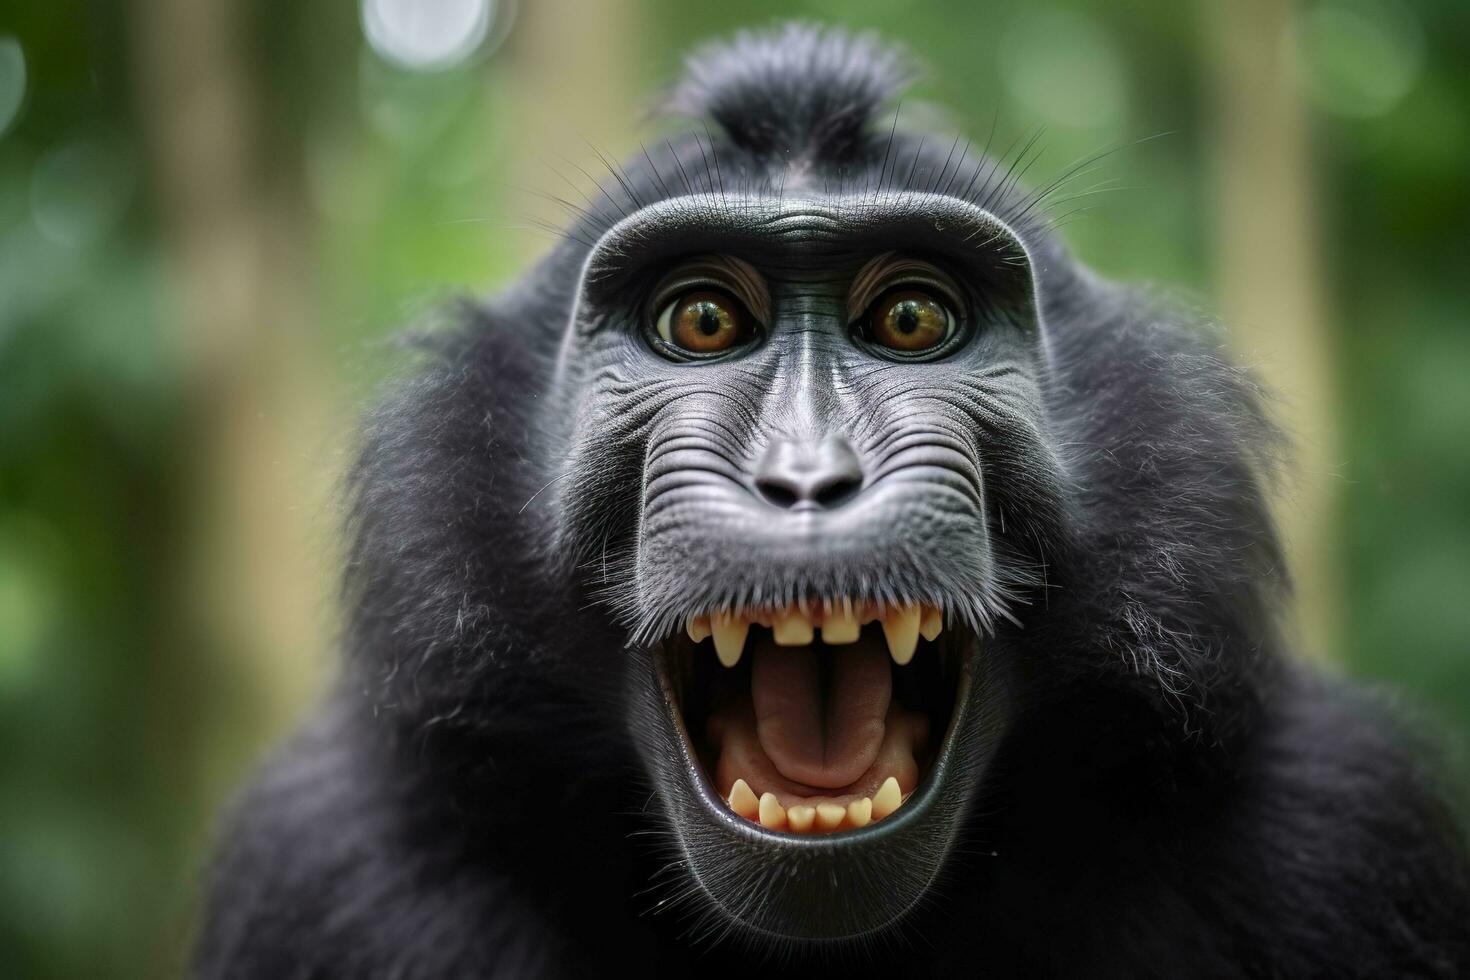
(837, 490)
(778, 492)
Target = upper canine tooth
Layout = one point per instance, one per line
(840, 626)
(901, 628)
(792, 629)
(729, 633)
(931, 622)
(697, 627)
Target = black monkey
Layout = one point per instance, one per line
(809, 565)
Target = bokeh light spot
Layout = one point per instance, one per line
(28, 598)
(426, 35)
(411, 109)
(80, 190)
(1361, 57)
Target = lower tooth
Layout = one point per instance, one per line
(829, 816)
(743, 800)
(887, 799)
(772, 813)
(801, 819)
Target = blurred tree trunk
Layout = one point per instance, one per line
(255, 409)
(1269, 279)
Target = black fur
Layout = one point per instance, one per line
(1177, 797)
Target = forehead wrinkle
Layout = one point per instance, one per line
(813, 268)
(783, 222)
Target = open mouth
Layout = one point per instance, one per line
(819, 716)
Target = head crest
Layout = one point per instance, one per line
(794, 91)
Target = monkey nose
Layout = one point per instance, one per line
(813, 475)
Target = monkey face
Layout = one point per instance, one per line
(797, 428)
(868, 399)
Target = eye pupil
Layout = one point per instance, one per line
(908, 319)
(709, 320)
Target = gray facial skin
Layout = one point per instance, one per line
(738, 455)
(807, 462)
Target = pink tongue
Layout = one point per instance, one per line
(823, 738)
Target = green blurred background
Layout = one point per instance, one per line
(213, 215)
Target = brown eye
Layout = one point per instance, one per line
(909, 320)
(704, 322)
